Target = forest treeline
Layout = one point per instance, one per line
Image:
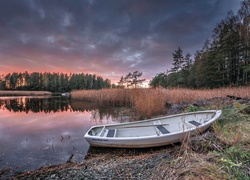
(53, 82)
(223, 61)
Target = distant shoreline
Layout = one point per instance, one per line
(24, 93)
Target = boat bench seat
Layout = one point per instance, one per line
(107, 132)
(195, 123)
(111, 132)
(162, 129)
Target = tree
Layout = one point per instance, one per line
(177, 60)
(34, 81)
(2, 83)
(13, 80)
(187, 63)
(53, 82)
(224, 52)
(185, 72)
(244, 17)
(160, 79)
(121, 83)
(132, 79)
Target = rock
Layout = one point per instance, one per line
(176, 108)
(53, 176)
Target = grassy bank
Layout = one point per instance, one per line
(221, 153)
(24, 93)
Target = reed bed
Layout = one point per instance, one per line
(114, 97)
(146, 102)
(150, 102)
(188, 95)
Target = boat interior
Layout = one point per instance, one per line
(157, 127)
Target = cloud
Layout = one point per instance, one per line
(106, 37)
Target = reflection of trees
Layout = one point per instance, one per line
(35, 105)
(99, 113)
(59, 104)
(83, 106)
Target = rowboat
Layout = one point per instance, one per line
(152, 132)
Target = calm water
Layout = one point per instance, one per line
(36, 132)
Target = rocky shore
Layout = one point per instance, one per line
(169, 162)
(106, 164)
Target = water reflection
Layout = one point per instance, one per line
(37, 132)
(30, 104)
(61, 104)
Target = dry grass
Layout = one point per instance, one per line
(146, 102)
(113, 97)
(191, 166)
(176, 95)
(150, 102)
(188, 95)
(24, 93)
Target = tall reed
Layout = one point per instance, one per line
(150, 102)
(146, 102)
(114, 97)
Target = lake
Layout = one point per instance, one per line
(43, 131)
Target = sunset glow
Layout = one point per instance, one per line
(108, 38)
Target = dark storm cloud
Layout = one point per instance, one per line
(110, 35)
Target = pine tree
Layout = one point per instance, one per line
(244, 16)
(177, 60)
(160, 80)
(132, 79)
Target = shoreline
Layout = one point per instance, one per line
(166, 162)
(24, 93)
(107, 163)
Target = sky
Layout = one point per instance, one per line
(109, 38)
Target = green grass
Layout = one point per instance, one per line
(233, 129)
(235, 161)
(224, 153)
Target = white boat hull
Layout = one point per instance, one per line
(152, 132)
